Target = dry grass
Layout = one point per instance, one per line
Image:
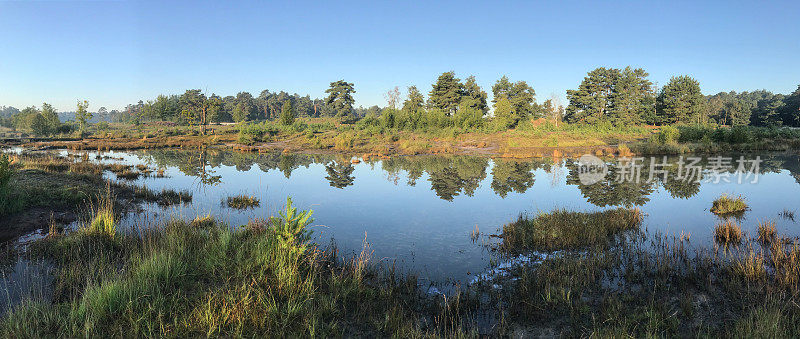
(728, 233)
(766, 232)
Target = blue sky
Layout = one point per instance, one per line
(117, 52)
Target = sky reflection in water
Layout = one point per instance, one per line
(420, 210)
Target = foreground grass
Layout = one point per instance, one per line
(202, 278)
(647, 285)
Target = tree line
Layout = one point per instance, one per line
(606, 95)
(627, 97)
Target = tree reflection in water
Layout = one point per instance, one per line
(339, 174)
(452, 176)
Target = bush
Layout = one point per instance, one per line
(668, 135)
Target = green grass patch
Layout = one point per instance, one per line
(562, 229)
(726, 205)
(242, 201)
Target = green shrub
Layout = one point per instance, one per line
(668, 135)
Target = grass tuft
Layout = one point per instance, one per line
(241, 202)
(562, 229)
(727, 204)
(728, 233)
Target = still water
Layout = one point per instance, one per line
(419, 211)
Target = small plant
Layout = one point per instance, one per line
(103, 222)
(726, 204)
(766, 232)
(242, 201)
(474, 234)
(290, 228)
(728, 233)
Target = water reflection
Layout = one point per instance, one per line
(454, 176)
(339, 174)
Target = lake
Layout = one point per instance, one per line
(419, 211)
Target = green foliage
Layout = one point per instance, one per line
(520, 95)
(591, 102)
(668, 135)
(287, 113)
(446, 93)
(291, 231)
(82, 114)
(340, 98)
(681, 101)
(562, 229)
(504, 115)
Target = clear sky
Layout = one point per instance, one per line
(117, 52)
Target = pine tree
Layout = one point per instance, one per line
(681, 101)
(446, 93)
(340, 98)
(504, 115)
(519, 94)
(287, 113)
(591, 102)
(631, 98)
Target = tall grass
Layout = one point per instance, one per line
(103, 221)
(562, 229)
(727, 233)
(6, 173)
(208, 279)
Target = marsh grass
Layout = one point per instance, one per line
(562, 229)
(766, 232)
(656, 285)
(204, 278)
(128, 175)
(787, 214)
(242, 201)
(726, 204)
(728, 232)
(103, 220)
